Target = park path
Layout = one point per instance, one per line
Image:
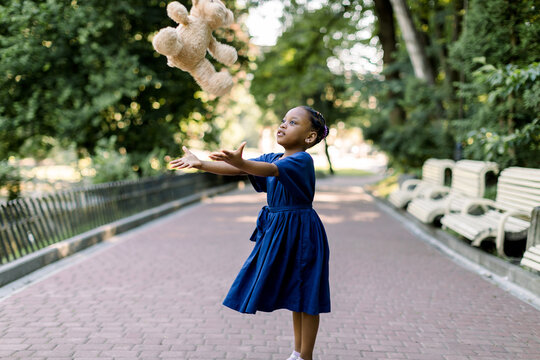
(157, 293)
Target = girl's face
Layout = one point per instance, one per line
(295, 129)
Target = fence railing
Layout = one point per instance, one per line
(29, 224)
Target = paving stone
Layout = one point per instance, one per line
(157, 294)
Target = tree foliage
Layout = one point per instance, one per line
(498, 52)
(82, 71)
(484, 98)
(296, 70)
(306, 65)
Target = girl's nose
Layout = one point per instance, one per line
(282, 125)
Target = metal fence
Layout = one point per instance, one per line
(29, 224)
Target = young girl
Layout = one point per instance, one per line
(288, 267)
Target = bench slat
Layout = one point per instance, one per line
(532, 256)
(535, 250)
(530, 263)
(519, 182)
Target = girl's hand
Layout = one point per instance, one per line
(233, 158)
(187, 162)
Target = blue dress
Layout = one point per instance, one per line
(288, 267)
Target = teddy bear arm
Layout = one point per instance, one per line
(225, 54)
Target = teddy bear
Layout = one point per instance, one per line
(185, 46)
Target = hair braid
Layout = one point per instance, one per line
(318, 123)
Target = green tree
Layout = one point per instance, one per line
(82, 71)
(296, 70)
(498, 52)
(422, 129)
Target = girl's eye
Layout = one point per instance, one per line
(293, 122)
(283, 120)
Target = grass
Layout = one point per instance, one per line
(352, 172)
(490, 192)
(384, 187)
(322, 172)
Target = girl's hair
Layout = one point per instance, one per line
(318, 123)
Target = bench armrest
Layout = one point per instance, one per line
(410, 183)
(484, 203)
(448, 207)
(499, 241)
(437, 190)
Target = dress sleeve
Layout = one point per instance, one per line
(259, 182)
(297, 174)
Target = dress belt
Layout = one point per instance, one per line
(275, 209)
(262, 219)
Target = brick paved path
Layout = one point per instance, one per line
(157, 294)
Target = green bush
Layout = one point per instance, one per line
(151, 164)
(110, 164)
(10, 179)
(424, 133)
(504, 127)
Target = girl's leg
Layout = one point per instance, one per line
(309, 328)
(297, 326)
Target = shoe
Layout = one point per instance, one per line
(293, 357)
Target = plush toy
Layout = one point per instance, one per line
(185, 46)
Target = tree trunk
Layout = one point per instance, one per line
(454, 75)
(387, 37)
(331, 168)
(459, 7)
(417, 53)
(386, 32)
(460, 20)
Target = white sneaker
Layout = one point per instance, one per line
(293, 357)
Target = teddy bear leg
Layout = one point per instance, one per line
(167, 42)
(217, 83)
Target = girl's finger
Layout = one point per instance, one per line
(176, 161)
(217, 153)
(241, 147)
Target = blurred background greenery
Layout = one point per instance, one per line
(82, 87)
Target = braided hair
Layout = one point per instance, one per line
(317, 123)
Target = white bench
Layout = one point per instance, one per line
(531, 258)
(468, 181)
(433, 175)
(518, 192)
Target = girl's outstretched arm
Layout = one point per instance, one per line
(234, 158)
(189, 160)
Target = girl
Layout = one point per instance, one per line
(288, 267)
